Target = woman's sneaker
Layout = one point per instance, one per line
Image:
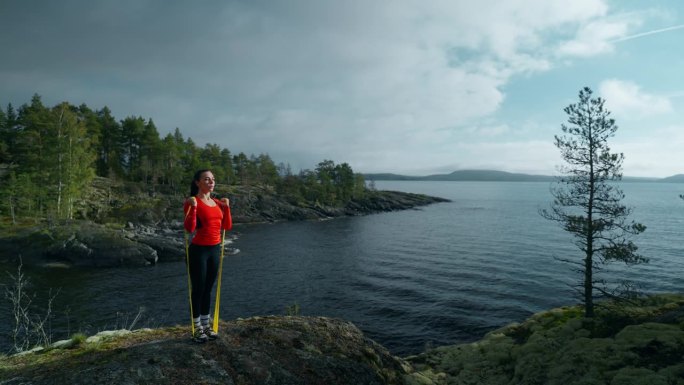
(199, 336)
(210, 333)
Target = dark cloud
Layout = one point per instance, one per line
(303, 80)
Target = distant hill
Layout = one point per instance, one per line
(490, 175)
(679, 178)
(466, 175)
(390, 176)
(502, 176)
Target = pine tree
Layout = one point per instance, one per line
(8, 134)
(34, 154)
(109, 150)
(587, 203)
(266, 170)
(225, 163)
(4, 138)
(132, 129)
(151, 154)
(172, 152)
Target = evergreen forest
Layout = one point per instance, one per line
(49, 157)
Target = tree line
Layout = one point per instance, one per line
(49, 157)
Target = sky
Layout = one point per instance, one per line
(413, 87)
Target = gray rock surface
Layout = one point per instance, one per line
(76, 243)
(254, 351)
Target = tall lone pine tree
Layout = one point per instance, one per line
(586, 204)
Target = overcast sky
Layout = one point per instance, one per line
(409, 86)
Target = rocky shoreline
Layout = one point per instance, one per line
(146, 228)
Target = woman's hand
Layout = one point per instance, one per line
(192, 201)
(225, 202)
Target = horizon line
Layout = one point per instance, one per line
(508, 172)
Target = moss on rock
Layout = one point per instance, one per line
(639, 343)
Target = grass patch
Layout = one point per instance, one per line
(293, 310)
(78, 338)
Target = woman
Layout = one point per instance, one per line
(206, 217)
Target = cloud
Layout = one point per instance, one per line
(384, 75)
(595, 38)
(364, 82)
(626, 98)
(488, 130)
(599, 35)
(639, 155)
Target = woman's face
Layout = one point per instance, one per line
(206, 182)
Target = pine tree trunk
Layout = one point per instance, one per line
(588, 287)
(11, 207)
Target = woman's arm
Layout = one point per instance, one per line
(190, 210)
(227, 223)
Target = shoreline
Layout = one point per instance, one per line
(152, 232)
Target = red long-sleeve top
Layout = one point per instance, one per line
(212, 220)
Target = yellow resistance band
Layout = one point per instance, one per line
(218, 286)
(187, 267)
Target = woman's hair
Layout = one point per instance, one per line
(194, 189)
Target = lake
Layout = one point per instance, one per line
(443, 274)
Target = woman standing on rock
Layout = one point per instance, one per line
(205, 217)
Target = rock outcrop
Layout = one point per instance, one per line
(254, 351)
(260, 204)
(119, 202)
(641, 343)
(76, 243)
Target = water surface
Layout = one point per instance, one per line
(442, 274)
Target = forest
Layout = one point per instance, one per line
(49, 157)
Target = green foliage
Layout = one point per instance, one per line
(50, 161)
(293, 310)
(4, 138)
(78, 338)
(329, 184)
(49, 157)
(586, 204)
(561, 348)
(131, 149)
(109, 149)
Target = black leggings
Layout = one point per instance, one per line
(204, 265)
